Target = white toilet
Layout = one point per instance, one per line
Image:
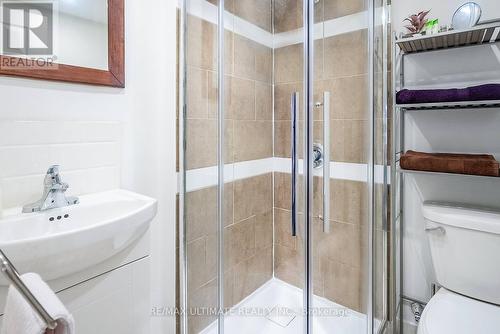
(465, 248)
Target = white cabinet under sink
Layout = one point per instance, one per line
(116, 302)
(114, 298)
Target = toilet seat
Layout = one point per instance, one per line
(450, 313)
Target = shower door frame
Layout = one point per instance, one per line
(308, 105)
(308, 78)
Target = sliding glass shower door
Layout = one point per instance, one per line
(347, 249)
(277, 161)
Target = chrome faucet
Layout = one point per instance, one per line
(53, 193)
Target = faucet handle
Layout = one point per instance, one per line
(52, 177)
(53, 170)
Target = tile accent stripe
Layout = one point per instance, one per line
(201, 178)
(337, 26)
(208, 12)
(329, 28)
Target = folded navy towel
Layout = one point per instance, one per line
(476, 93)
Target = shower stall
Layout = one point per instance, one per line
(283, 199)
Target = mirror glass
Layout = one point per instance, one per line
(69, 32)
(466, 16)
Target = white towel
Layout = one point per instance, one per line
(21, 318)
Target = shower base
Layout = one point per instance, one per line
(276, 308)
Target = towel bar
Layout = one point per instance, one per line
(10, 271)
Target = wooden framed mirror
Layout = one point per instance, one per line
(64, 40)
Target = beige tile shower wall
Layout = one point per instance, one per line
(257, 12)
(341, 68)
(248, 97)
(338, 255)
(288, 13)
(248, 243)
(248, 101)
(342, 71)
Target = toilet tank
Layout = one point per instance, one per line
(465, 249)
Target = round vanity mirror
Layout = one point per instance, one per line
(466, 16)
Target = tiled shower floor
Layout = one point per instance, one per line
(275, 309)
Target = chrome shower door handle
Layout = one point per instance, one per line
(326, 162)
(294, 156)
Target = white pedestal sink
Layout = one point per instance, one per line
(64, 241)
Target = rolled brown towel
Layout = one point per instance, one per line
(456, 163)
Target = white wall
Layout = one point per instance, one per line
(88, 151)
(105, 137)
(445, 131)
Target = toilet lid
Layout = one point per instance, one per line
(450, 313)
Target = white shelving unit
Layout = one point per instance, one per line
(482, 34)
(416, 172)
(450, 105)
(479, 35)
